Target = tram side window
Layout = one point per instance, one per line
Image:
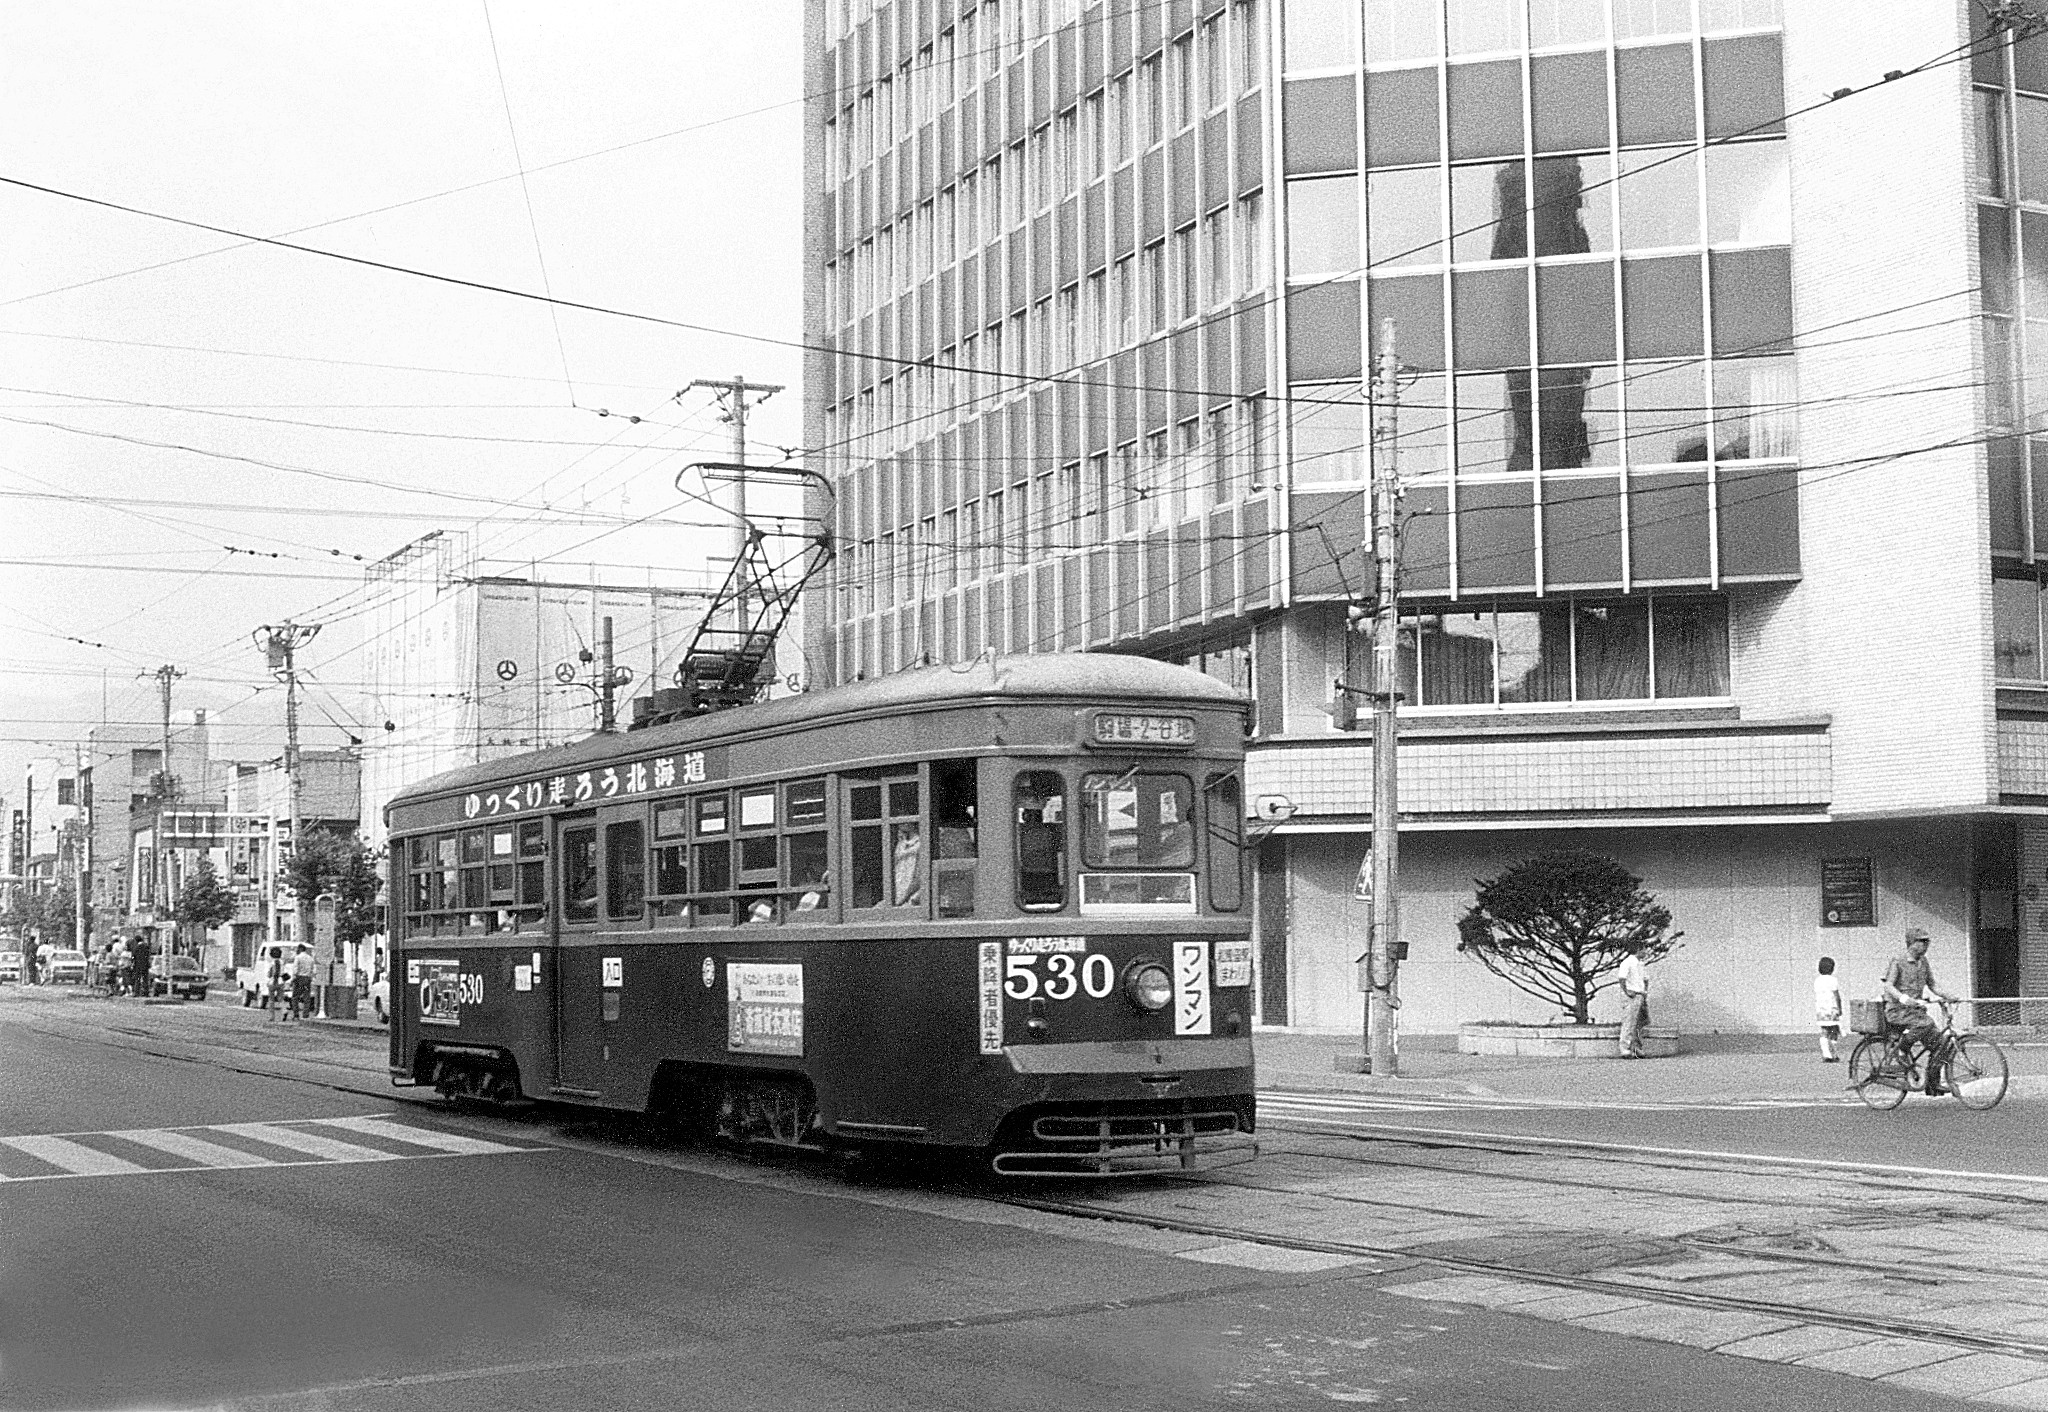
(671, 860)
(474, 887)
(502, 873)
(579, 873)
(758, 850)
(533, 870)
(625, 877)
(803, 847)
(449, 887)
(1226, 841)
(711, 860)
(1041, 841)
(887, 844)
(955, 836)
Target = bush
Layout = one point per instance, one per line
(1557, 926)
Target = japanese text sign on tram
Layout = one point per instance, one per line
(599, 784)
(1141, 728)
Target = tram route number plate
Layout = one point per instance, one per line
(443, 989)
(764, 1007)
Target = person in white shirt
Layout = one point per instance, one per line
(1635, 984)
(1827, 1009)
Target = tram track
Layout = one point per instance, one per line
(1923, 1330)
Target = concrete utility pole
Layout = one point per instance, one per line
(81, 844)
(166, 794)
(1383, 1000)
(280, 645)
(608, 684)
(732, 395)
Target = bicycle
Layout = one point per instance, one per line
(1884, 1068)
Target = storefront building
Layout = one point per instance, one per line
(1715, 321)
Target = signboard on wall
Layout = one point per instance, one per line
(1848, 893)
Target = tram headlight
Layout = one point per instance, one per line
(1148, 985)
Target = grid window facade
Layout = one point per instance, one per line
(2010, 97)
(1575, 215)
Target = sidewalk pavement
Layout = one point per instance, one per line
(1707, 1067)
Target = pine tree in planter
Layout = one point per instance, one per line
(1558, 926)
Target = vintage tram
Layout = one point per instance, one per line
(995, 908)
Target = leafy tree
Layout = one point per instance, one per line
(346, 867)
(49, 913)
(1558, 925)
(204, 901)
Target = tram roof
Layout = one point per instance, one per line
(1093, 676)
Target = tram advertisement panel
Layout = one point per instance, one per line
(441, 988)
(764, 1007)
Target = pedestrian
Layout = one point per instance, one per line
(1635, 984)
(122, 962)
(1827, 1008)
(138, 965)
(302, 983)
(270, 987)
(1908, 986)
(44, 953)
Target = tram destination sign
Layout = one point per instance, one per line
(1141, 728)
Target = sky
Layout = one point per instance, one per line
(202, 434)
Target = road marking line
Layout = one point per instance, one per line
(183, 1144)
(419, 1137)
(75, 1158)
(292, 1140)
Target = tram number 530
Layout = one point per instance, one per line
(1065, 975)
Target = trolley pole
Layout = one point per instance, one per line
(732, 395)
(1383, 1000)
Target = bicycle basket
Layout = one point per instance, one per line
(1866, 1016)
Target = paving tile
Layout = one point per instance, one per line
(1880, 1357)
(1576, 1306)
(1799, 1341)
(1274, 1258)
(1971, 1374)
(2032, 1395)
(1472, 1289)
(1712, 1267)
(1678, 1323)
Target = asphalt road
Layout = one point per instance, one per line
(1928, 1135)
(353, 1264)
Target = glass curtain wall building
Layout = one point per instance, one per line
(1095, 289)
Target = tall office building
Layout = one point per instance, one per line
(1714, 320)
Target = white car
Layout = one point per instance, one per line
(10, 965)
(65, 966)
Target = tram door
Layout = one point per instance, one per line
(579, 1062)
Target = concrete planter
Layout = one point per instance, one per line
(1561, 1041)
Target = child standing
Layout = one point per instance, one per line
(1827, 1008)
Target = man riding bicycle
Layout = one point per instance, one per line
(1908, 984)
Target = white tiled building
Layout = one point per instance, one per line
(1714, 436)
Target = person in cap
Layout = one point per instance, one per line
(302, 983)
(1908, 986)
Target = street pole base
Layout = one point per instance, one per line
(1352, 1063)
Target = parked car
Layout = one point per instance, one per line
(66, 966)
(379, 996)
(181, 975)
(10, 965)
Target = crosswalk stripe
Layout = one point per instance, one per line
(312, 1144)
(75, 1158)
(422, 1137)
(183, 1144)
